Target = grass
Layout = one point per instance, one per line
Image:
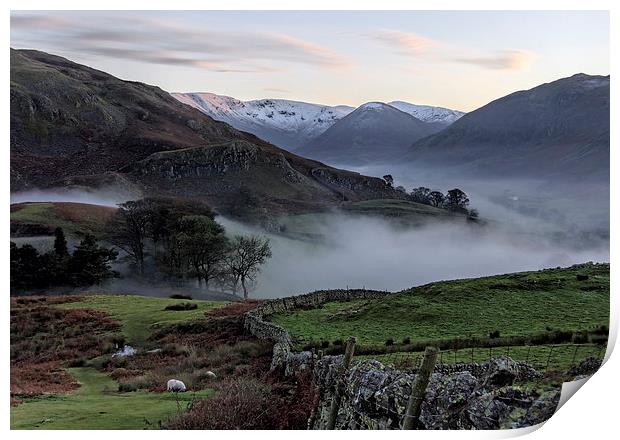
(395, 208)
(519, 304)
(542, 357)
(313, 226)
(98, 405)
(140, 315)
(76, 219)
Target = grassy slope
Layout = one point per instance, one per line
(312, 225)
(76, 219)
(98, 405)
(139, 315)
(396, 208)
(515, 304)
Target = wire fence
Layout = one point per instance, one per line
(392, 406)
(544, 358)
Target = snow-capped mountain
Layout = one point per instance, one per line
(374, 133)
(292, 124)
(428, 113)
(288, 124)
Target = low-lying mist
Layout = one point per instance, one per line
(525, 228)
(372, 253)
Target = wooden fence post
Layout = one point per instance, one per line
(346, 363)
(549, 358)
(418, 390)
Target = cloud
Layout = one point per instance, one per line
(405, 43)
(502, 60)
(276, 90)
(150, 40)
(420, 47)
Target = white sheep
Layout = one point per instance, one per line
(176, 386)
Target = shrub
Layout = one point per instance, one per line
(241, 403)
(131, 384)
(406, 341)
(324, 344)
(174, 349)
(79, 362)
(337, 342)
(389, 342)
(182, 306)
(494, 334)
(180, 296)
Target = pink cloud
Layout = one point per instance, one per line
(406, 43)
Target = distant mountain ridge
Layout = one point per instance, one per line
(293, 124)
(375, 132)
(559, 129)
(288, 124)
(76, 127)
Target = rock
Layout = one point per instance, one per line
(175, 386)
(501, 371)
(541, 410)
(211, 375)
(127, 351)
(465, 396)
(586, 367)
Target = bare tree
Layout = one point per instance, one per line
(203, 246)
(128, 230)
(245, 257)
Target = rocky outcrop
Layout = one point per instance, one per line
(476, 397)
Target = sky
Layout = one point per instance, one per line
(459, 60)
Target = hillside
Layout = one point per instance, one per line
(67, 370)
(373, 133)
(41, 218)
(75, 126)
(558, 130)
(518, 304)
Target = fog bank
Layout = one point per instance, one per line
(371, 253)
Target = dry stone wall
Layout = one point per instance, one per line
(257, 322)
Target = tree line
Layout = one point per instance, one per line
(89, 264)
(454, 200)
(175, 238)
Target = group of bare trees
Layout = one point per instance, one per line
(183, 240)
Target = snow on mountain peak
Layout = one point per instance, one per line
(291, 124)
(374, 105)
(428, 113)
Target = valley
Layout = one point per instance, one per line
(190, 260)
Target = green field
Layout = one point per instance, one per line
(98, 405)
(519, 304)
(140, 315)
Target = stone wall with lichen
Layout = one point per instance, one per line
(477, 396)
